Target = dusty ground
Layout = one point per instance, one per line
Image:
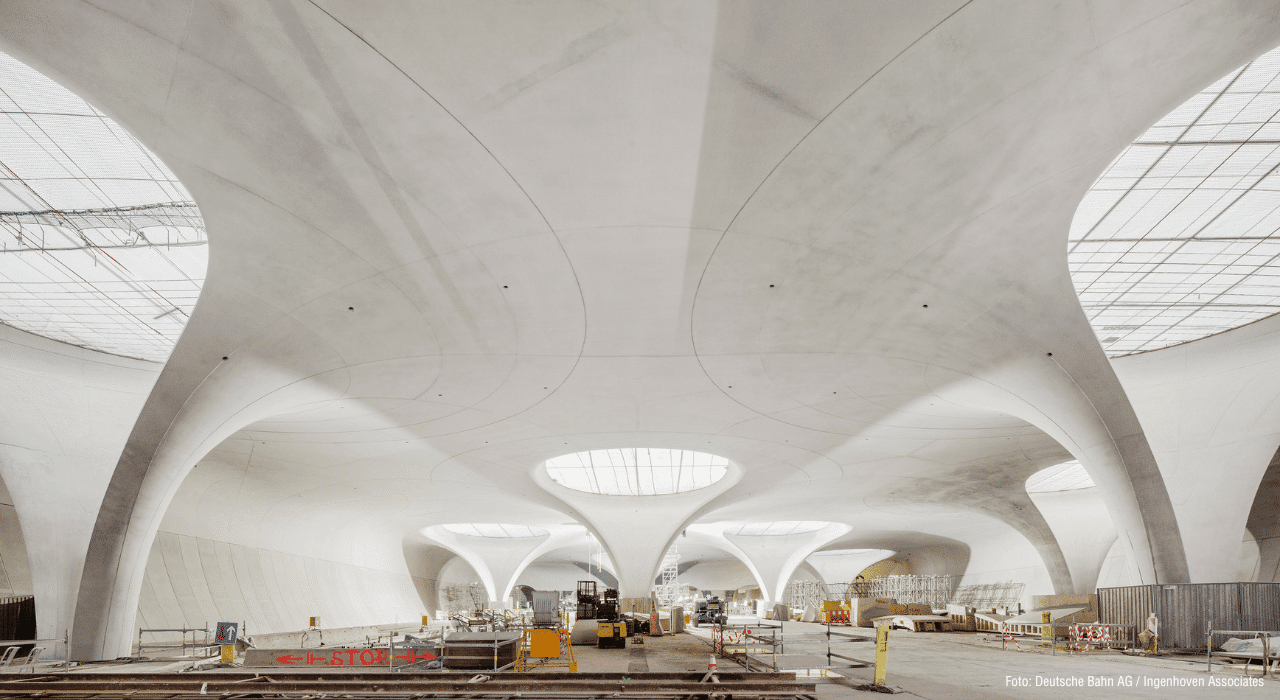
(967, 665)
(933, 666)
(672, 653)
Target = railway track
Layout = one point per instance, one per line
(522, 686)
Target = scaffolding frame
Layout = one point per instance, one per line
(989, 595)
(934, 590)
(668, 588)
(927, 589)
(802, 594)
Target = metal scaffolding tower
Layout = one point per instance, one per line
(989, 595)
(668, 587)
(802, 594)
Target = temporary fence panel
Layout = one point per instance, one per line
(1191, 608)
(1187, 610)
(1259, 607)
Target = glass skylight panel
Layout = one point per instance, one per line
(777, 529)
(496, 530)
(839, 552)
(1068, 476)
(637, 471)
(100, 245)
(1178, 238)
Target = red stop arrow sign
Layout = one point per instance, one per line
(411, 656)
(288, 659)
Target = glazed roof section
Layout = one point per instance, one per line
(1177, 240)
(780, 528)
(496, 530)
(100, 245)
(1068, 476)
(637, 471)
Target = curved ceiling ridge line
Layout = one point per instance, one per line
(720, 239)
(1190, 124)
(284, 210)
(551, 229)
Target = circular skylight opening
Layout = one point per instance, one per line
(1068, 476)
(777, 529)
(1178, 239)
(100, 245)
(637, 471)
(495, 530)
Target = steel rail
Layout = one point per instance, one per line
(372, 684)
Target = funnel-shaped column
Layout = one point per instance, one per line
(713, 534)
(497, 558)
(500, 553)
(1083, 528)
(776, 549)
(636, 530)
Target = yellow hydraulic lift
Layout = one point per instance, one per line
(545, 648)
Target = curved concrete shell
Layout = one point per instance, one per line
(449, 241)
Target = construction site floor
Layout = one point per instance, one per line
(926, 665)
(941, 665)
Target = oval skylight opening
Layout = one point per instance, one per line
(637, 471)
(777, 529)
(1068, 476)
(1178, 239)
(100, 245)
(842, 552)
(495, 530)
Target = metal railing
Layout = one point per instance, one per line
(736, 642)
(932, 590)
(1078, 636)
(9, 649)
(746, 644)
(1268, 654)
(194, 644)
(827, 638)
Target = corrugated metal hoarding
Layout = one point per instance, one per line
(1259, 603)
(1125, 606)
(1187, 610)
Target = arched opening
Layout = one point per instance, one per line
(1260, 557)
(17, 599)
(15, 569)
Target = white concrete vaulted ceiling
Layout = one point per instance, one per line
(450, 241)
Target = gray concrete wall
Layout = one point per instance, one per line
(1004, 555)
(15, 570)
(1260, 558)
(558, 576)
(192, 581)
(64, 416)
